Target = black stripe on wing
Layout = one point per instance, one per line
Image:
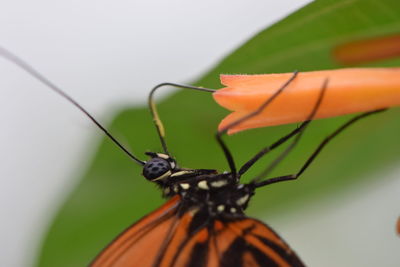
(199, 254)
(252, 249)
(291, 257)
(240, 251)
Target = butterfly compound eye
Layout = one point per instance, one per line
(156, 168)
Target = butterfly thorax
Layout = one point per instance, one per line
(201, 190)
(216, 198)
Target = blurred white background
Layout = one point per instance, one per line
(108, 53)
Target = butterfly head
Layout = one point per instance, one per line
(159, 167)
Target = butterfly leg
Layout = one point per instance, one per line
(221, 132)
(316, 152)
(299, 131)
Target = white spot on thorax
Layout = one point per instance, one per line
(219, 183)
(221, 208)
(242, 200)
(203, 185)
(185, 186)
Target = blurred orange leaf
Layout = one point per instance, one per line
(398, 226)
(363, 51)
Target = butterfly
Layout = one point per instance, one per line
(203, 223)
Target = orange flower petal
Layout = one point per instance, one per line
(368, 50)
(348, 91)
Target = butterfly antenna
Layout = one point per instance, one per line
(153, 109)
(25, 66)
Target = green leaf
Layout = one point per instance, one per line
(112, 194)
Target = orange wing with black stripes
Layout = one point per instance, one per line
(164, 239)
(139, 244)
(239, 243)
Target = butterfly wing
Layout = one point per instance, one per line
(244, 242)
(139, 244)
(249, 242)
(165, 239)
